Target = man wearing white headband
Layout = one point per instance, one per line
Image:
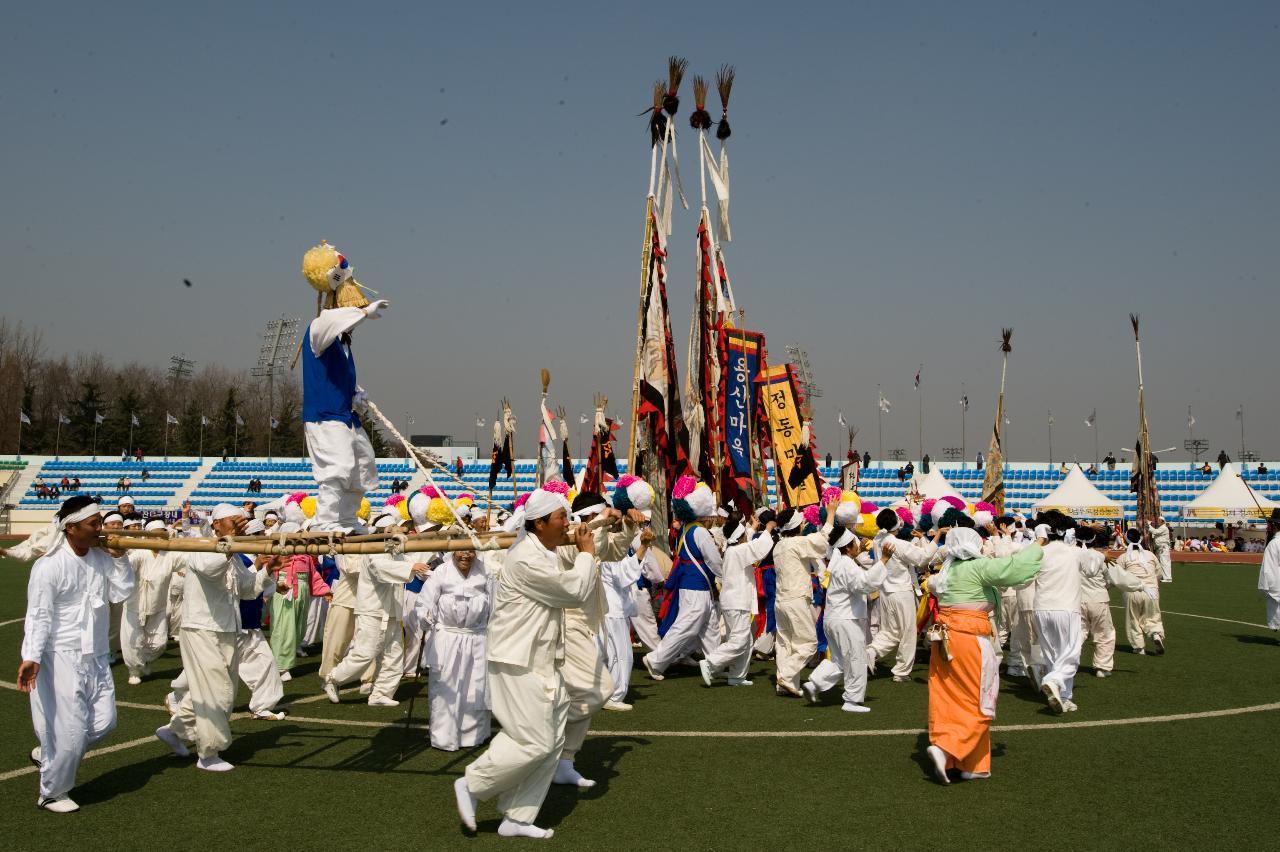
(1058, 612)
(845, 622)
(797, 636)
(585, 671)
(739, 604)
(379, 609)
(144, 624)
(1095, 600)
(1142, 607)
(525, 652)
(903, 560)
(214, 585)
(1161, 546)
(65, 666)
(620, 580)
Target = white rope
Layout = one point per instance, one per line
(429, 461)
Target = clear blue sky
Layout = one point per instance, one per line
(906, 180)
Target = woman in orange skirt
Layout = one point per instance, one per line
(964, 663)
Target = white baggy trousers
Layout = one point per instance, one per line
(343, 466)
(72, 707)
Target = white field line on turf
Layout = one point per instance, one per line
(29, 770)
(1206, 617)
(12, 621)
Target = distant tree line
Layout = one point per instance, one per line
(83, 388)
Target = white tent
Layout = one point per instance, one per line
(1229, 498)
(933, 485)
(1080, 498)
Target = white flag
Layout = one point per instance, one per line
(584, 419)
(133, 418)
(98, 418)
(885, 405)
(1191, 421)
(1092, 418)
(840, 419)
(23, 418)
(275, 424)
(1240, 413)
(63, 419)
(479, 422)
(239, 422)
(170, 419)
(204, 421)
(1051, 419)
(964, 402)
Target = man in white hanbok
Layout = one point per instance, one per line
(739, 604)
(379, 614)
(845, 621)
(620, 580)
(1057, 613)
(898, 596)
(1142, 607)
(525, 651)
(1269, 576)
(65, 664)
(454, 606)
(144, 624)
(214, 586)
(797, 638)
(1095, 599)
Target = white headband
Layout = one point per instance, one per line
(796, 520)
(133, 522)
(154, 525)
(738, 532)
(76, 517)
(846, 538)
(112, 517)
(226, 510)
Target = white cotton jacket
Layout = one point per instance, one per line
(68, 598)
(1057, 586)
(345, 588)
(791, 558)
(213, 588)
(527, 626)
(380, 591)
(848, 586)
(1099, 576)
(1143, 565)
(1269, 574)
(738, 573)
(906, 559)
(152, 571)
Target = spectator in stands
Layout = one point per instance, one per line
(977, 460)
(924, 463)
(1223, 459)
(1206, 469)
(145, 475)
(866, 458)
(1062, 468)
(901, 475)
(1262, 468)
(66, 483)
(828, 459)
(75, 484)
(1110, 460)
(459, 467)
(910, 470)
(137, 455)
(224, 453)
(1093, 469)
(126, 485)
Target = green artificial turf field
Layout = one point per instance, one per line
(720, 768)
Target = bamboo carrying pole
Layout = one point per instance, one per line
(272, 547)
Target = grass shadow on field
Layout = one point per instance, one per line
(1255, 639)
(130, 778)
(598, 760)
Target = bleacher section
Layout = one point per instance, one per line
(165, 479)
(228, 481)
(1025, 483)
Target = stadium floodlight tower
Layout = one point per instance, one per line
(799, 358)
(278, 342)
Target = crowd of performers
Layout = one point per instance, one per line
(542, 636)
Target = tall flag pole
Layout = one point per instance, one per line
(658, 450)
(546, 434)
(993, 479)
(566, 456)
(1143, 481)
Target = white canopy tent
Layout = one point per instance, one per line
(1230, 499)
(1080, 498)
(933, 485)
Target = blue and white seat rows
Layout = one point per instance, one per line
(228, 481)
